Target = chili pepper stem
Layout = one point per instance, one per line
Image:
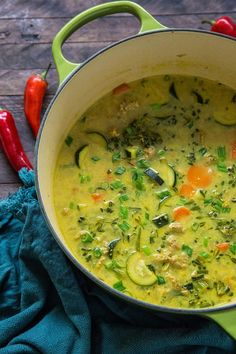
(209, 22)
(45, 72)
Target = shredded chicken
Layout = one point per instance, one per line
(176, 227)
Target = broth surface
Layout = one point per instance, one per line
(145, 191)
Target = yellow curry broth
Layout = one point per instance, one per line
(150, 236)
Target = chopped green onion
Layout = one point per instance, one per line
(147, 251)
(160, 280)
(188, 250)
(69, 140)
(97, 252)
(204, 254)
(222, 167)
(123, 212)
(120, 170)
(116, 156)
(117, 184)
(124, 226)
(87, 237)
(119, 286)
(221, 152)
(123, 197)
(163, 194)
(232, 248)
(202, 151)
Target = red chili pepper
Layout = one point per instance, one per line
(11, 143)
(35, 90)
(223, 24)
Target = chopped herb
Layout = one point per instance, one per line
(123, 197)
(195, 226)
(119, 286)
(205, 241)
(72, 205)
(221, 288)
(222, 167)
(163, 194)
(232, 248)
(146, 216)
(146, 250)
(97, 252)
(84, 179)
(160, 280)
(87, 237)
(204, 254)
(124, 226)
(142, 163)
(117, 184)
(138, 181)
(116, 156)
(188, 250)
(156, 106)
(161, 153)
(203, 151)
(69, 140)
(221, 152)
(123, 212)
(120, 170)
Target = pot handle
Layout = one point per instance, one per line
(65, 67)
(226, 319)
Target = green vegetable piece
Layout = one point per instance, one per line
(232, 248)
(202, 151)
(221, 288)
(123, 212)
(221, 152)
(117, 184)
(188, 250)
(81, 155)
(160, 280)
(204, 254)
(138, 271)
(116, 156)
(97, 252)
(124, 226)
(163, 194)
(146, 250)
(120, 170)
(132, 152)
(119, 286)
(222, 167)
(111, 246)
(87, 237)
(69, 140)
(161, 220)
(123, 197)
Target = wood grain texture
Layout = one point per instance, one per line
(62, 8)
(27, 29)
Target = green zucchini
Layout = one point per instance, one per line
(81, 155)
(161, 220)
(138, 271)
(98, 139)
(167, 173)
(132, 152)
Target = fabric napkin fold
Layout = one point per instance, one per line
(48, 306)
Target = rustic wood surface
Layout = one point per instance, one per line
(27, 29)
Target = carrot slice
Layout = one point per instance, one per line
(180, 213)
(223, 246)
(200, 176)
(121, 89)
(97, 197)
(233, 151)
(186, 190)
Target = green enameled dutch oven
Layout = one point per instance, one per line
(155, 50)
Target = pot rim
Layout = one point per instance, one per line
(76, 262)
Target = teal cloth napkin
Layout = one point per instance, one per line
(48, 306)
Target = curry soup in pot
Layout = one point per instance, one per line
(145, 191)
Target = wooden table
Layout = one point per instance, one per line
(28, 27)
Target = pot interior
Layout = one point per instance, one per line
(182, 52)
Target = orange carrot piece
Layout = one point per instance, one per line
(223, 246)
(97, 197)
(200, 176)
(121, 89)
(180, 213)
(186, 190)
(233, 151)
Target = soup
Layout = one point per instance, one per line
(145, 191)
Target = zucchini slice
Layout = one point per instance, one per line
(138, 272)
(161, 220)
(154, 175)
(81, 155)
(98, 139)
(168, 174)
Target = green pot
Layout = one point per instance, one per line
(155, 50)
